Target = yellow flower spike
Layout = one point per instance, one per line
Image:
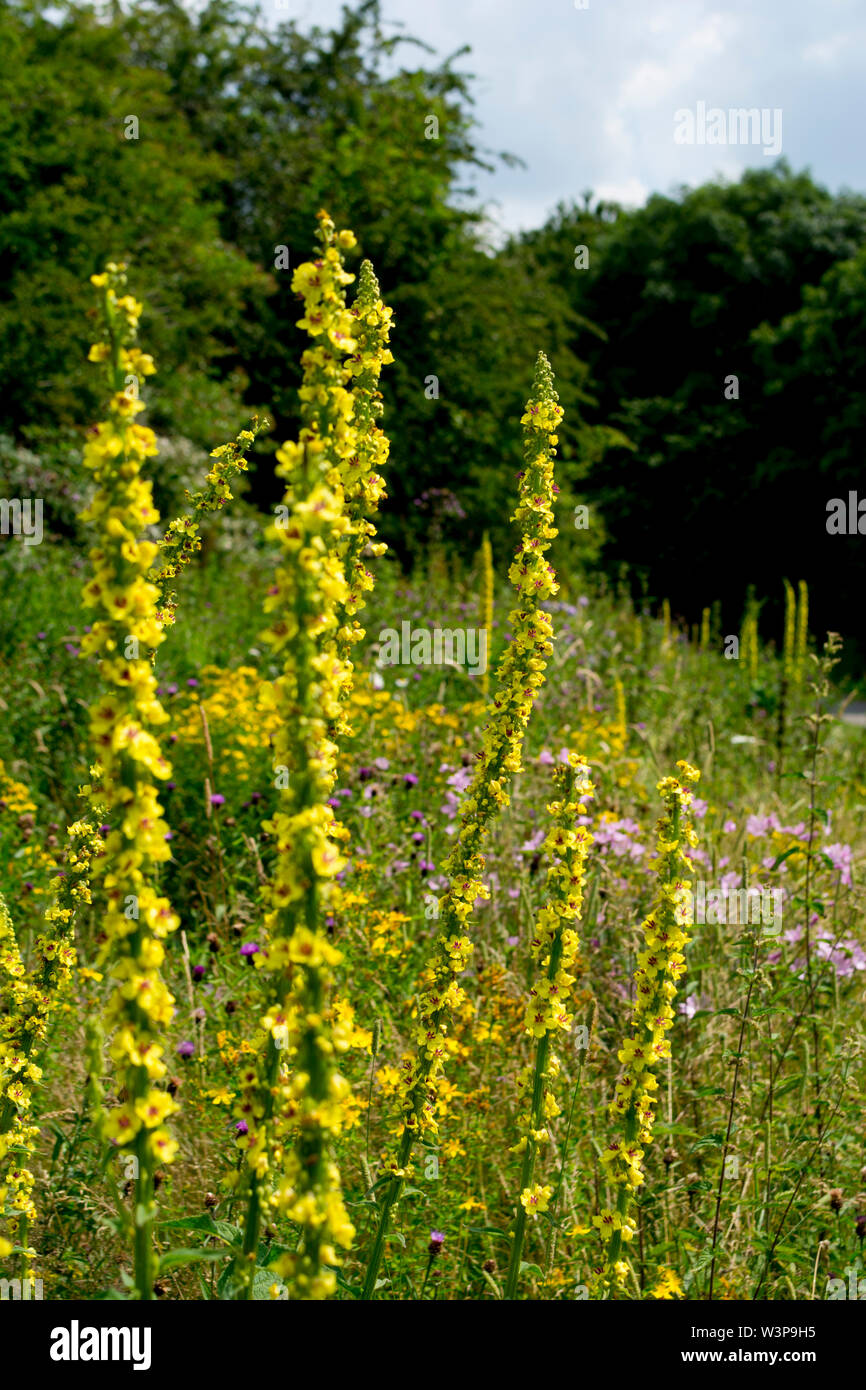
(182, 539)
(486, 560)
(321, 530)
(124, 636)
(554, 948)
(519, 676)
(801, 647)
(658, 968)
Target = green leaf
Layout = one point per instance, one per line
(175, 1258)
(780, 859)
(224, 1229)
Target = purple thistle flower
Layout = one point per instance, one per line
(186, 1049)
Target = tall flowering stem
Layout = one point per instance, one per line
(659, 966)
(31, 998)
(486, 607)
(518, 679)
(801, 645)
(789, 641)
(363, 485)
(290, 1107)
(555, 946)
(182, 539)
(292, 1103)
(125, 632)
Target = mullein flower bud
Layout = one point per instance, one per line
(801, 644)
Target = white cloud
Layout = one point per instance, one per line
(826, 53)
(654, 79)
(632, 193)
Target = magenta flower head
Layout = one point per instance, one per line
(217, 799)
(409, 779)
(198, 972)
(186, 1049)
(249, 948)
(437, 1240)
(242, 1127)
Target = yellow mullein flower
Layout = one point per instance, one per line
(535, 1199)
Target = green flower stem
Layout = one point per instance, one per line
(392, 1192)
(531, 1151)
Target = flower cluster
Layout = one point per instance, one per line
(518, 678)
(659, 966)
(555, 944)
(127, 629)
(294, 1101)
(30, 997)
(18, 1074)
(182, 539)
(554, 947)
(340, 405)
(290, 1103)
(363, 485)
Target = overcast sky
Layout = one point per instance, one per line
(587, 96)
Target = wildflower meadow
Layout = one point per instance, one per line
(465, 926)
